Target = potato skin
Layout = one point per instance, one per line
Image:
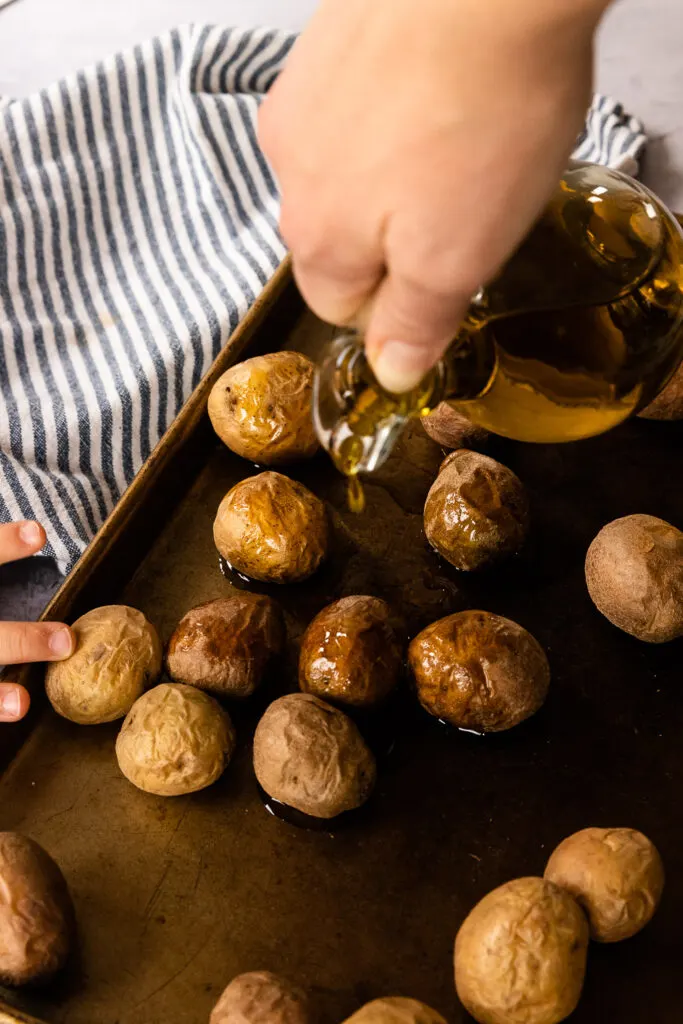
(476, 511)
(395, 1010)
(226, 646)
(261, 408)
(520, 955)
(36, 913)
(118, 655)
(272, 529)
(451, 429)
(260, 997)
(615, 874)
(479, 671)
(175, 740)
(634, 574)
(310, 756)
(350, 653)
(668, 405)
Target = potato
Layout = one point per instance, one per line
(260, 997)
(227, 645)
(273, 529)
(476, 511)
(479, 671)
(668, 405)
(118, 655)
(451, 429)
(350, 653)
(36, 913)
(175, 739)
(520, 955)
(634, 573)
(310, 756)
(261, 408)
(395, 1010)
(615, 874)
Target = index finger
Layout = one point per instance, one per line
(19, 540)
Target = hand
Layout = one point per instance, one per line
(415, 143)
(22, 642)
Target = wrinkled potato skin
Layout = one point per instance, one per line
(272, 529)
(227, 645)
(479, 671)
(520, 956)
(36, 913)
(260, 997)
(350, 653)
(451, 429)
(175, 740)
(668, 405)
(395, 1010)
(310, 756)
(615, 874)
(634, 574)
(118, 655)
(261, 408)
(476, 511)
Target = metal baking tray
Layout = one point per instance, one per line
(176, 896)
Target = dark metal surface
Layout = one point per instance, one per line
(176, 896)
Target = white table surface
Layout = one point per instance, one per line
(639, 61)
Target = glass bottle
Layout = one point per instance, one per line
(581, 328)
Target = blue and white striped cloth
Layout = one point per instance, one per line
(138, 222)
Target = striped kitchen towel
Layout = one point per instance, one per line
(138, 222)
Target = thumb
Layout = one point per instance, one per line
(410, 326)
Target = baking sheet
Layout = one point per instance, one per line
(174, 897)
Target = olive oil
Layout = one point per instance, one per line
(581, 328)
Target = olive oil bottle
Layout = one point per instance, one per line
(580, 329)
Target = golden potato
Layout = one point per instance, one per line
(36, 913)
(227, 645)
(350, 652)
(634, 574)
(273, 529)
(476, 511)
(668, 405)
(174, 740)
(118, 655)
(479, 671)
(261, 408)
(451, 429)
(520, 955)
(260, 997)
(395, 1010)
(310, 756)
(615, 874)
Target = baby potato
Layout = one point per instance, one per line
(261, 408)
(395, 1010)
(634, 574)
(175, 740)
(476, 511)
(451, 429)
(36, 913)
(520, 955)
(118, 655)
(479, 671)
(310, 756)
(668, 405)
(226, 646)
(615, 874)
(260, 997)
(272, 529)
(350, 653)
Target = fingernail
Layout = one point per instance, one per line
(11, 703)
(30, 534)
(60, 642)
(399, 367)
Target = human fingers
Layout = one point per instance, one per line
(14, 702)
(20, 540)
(22, 642)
